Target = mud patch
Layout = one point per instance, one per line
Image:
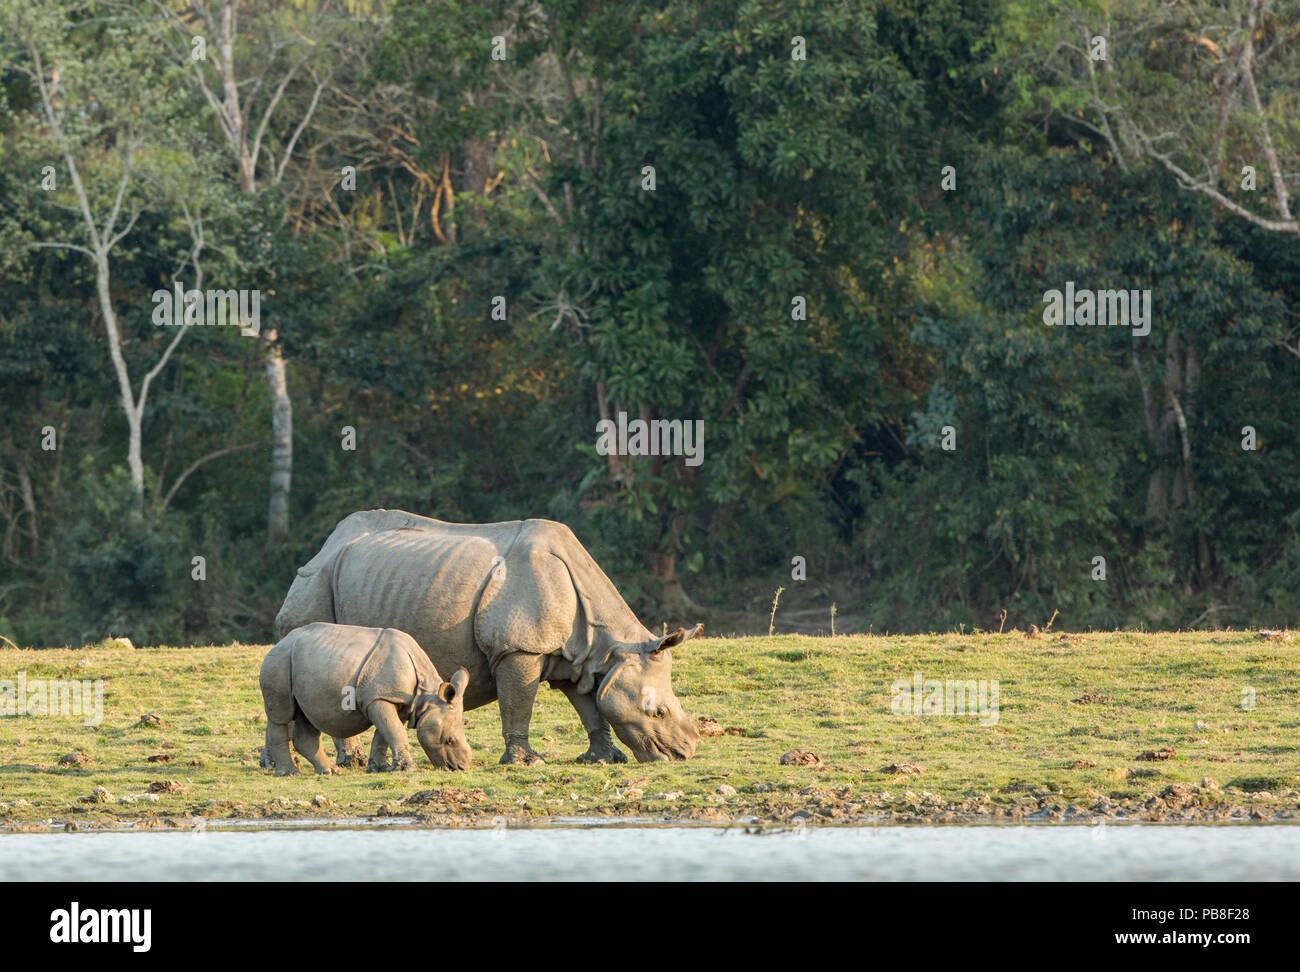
(709, 727)
(1274, 635)
(1091, 698)
(448, 796)
(902, 769)
(1258, 784)
(1164, 752)
(801, 757)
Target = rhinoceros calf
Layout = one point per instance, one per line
(341, 679)
(514, 603)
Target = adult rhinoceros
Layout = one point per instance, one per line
(515, 603)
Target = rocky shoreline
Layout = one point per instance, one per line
(760, 805)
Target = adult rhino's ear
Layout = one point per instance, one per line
(676, 638)
(454, 688)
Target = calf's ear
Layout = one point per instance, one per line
(452, 689)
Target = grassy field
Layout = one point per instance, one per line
(1075, 713)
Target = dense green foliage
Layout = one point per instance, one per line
(501, 278)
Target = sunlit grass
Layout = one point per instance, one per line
(830, 695)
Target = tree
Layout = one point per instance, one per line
(100, 112)
(246, 76)
(1205, 89)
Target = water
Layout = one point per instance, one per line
(1112, 852)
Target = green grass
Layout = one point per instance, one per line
(830, 695)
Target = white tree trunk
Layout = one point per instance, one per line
(132, 410)
(277, 516)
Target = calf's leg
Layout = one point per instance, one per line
(390, 728)
(306, 739)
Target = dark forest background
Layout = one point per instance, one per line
(382, 171)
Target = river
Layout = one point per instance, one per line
(395, 851)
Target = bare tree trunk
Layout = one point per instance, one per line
(1191, 379)
(1172, 483)
(475, 176)
(277, 515)
(245, 141)
(244, 129)
(612, 459)
(29, 504)
(1157, 500)
(1172, 419)
(449, 200)
(673, 598)
(476, 162)
(476, 165)
(134, 459)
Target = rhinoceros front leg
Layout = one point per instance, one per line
(349, 752)
(517, 676)
(600, 748)
(378, 761)
(389, 728)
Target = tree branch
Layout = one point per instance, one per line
(162, 507)
(306, 119)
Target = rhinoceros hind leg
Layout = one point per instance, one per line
(306, 739)
(265, 759)
(277, 750)
(349, 752)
